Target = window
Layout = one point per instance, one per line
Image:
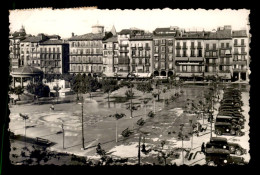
(156, 42)
(214, 54)
(156, 49)
(162, 56)
(178, 54)
(184, 68)
(214, 46)
(163, 42)
(192, 53)
(207, 54)
(199, 53)
(170, 42)
(163, 49)
(192, 68)
(184, 45)
(242, 50)
(199, 44)
(184, 53)
(235, 42)
(207, 46)
(170, 57)
(192, 45)
(178, 44)
(227, 45)
(222, 45)
(170, 49)
(156, 65)
(235, 50)
(242, 42)
(162, 65)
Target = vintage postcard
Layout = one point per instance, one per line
(129, 87)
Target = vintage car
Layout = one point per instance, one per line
(225, 128)
(217, 145)
(229, 119)
(222, 159)
(235, 148)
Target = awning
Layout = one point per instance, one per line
(142, 75)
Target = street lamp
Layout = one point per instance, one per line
(25, 117)
(82, 124)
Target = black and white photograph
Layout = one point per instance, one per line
(116, 87)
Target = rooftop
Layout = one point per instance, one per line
(111, 39)
(53, 42)
(88, 36)
(239, 33)
(27, 70)
(33, 39)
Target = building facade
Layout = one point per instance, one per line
(163, 51)
(86, 52)
(141, 53)
(240, 55)
(14, 48)
(54, 56)
(189, 59)
(110, 56)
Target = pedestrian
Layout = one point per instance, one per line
(203, 147)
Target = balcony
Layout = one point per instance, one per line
(199, 47)
(178, 47)
(181, 59)
(123, 51)
(211, 56)
(123, 45)
(147, 48)
(211, 49)
(196, 59)
(239, 45)
(225, 63)
(193, 47)
(211, 64)
(240, 62)
(184, 48)
(241, 53)
(239, 69)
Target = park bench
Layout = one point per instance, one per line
(126, 132)
(42, 141)
(140, 122)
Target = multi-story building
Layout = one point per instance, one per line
(54, 56)
(86, 52)
(189, 58)
(240, 55)
(218, 56)
(30, 51)
(14, 48)
(124, 53)
(110, 56)
(163, 51)
(141, 53)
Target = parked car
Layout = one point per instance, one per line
(222, 159)
(235, 148)
(217, 145)
(229, 119)
(225, 128)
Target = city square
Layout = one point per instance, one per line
(131, 97)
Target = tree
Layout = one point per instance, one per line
(18, 91)
(117, 117)
(57, 89)
(77, 83)
(91, 84)
(130, 94)
(109, 86)
(182, 136)
(144, 87)
(38, 89)
(145, 101)
(67, 77)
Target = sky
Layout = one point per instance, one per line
(79, 20)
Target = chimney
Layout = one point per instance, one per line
(72, 34)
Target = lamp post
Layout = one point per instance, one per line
(25, 117)
(82, 124)
(62, 135)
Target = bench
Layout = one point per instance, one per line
(42, 141)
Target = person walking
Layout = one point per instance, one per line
(203, 147)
